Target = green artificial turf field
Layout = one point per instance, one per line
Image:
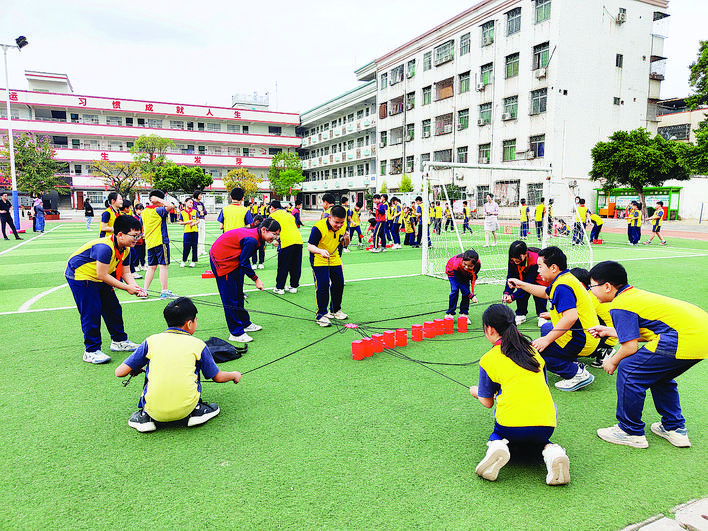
(315, 440)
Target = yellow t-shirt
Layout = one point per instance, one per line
(596, 219)
(234, 217)
(583, 344)
(581, 214)
(329, 241)
(355, 219)
(155, 226)
(524, 213)
(190, 215)
(538, 214)
(289, 233)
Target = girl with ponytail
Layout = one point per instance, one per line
(513, 374)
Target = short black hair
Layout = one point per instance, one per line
(329, 198)
(157, 193)
(269, 224)
(298, 202)
(196, 194)
(139, 206)
(490, 195)
(582, 275)
(275, 204)
(418, 198)
(179, 311)
(257, 220)
(125, 224)
(522, 201)
(338, 211)
(359, 204)
(658, 202)
(581, 201)
(385, 196)
(344, 199)
(236, 194)
(377, 196)
(554, 256)
(609, 271)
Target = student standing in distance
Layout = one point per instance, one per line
(462, 271)
(6, 216)
(447, 214)
(127, 210)
(539, 211)
(296, 213)
(597, 224)
(466, 218)
(174, 360)
(90, 275)
(581, 219)
(572, 314)
(344, 201)
(550, 216)
(657, 217)
(290, 253)
(387, 224)
(157, 240)
(108, 217)
(230, 257)
(138, 252)
(491, 225)
(39, 214)
(674, 333)
(523, 265)
(327, 203)
(512, 372)
(355, 222)
(525, 215)
(437, 216)
(190, 219)
(396, 212)
(408, 227)
(235, 215)
(199, 206)
(419, 222)
(88, 212)
(634, 224)
(325, 238)
(380, 228)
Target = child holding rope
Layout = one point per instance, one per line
(462, 271)
(512, 373)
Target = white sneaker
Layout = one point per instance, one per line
(468, 318)
(323, 321)
(617, 435)
(581, 379)
(182, 264)
(123, 346)
(261, 266)
(339, 315)
(520, 319)
(346, 250)
(290, 289)
(96, 357)
(279, 291)
(376, 250)
(167, 294)
(191, 264)
(678, 438)
(542, 321)
(243, 338)
(253, 328)
(557, 464)
(449, 316)
(497, 456)
(137, 275)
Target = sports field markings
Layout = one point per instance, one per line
(25, 308)
(27, 241)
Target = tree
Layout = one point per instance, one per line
(633, 159)
(173, 178)
(285, 172)
(150, 152)
(384, 187)
(35, 166)
(698, 153)
(119, 176)
(406, 184)
(698, 79)
(242, 178)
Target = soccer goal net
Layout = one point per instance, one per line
(493, 198)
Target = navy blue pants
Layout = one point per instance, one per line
(459, 285)
(539, 229)
(466, 226)
(380, 234)
(578, 233)
(231, 291)
(595, 232)
(388, 224)
(524, 231)
(95, 300)
(646, 370)
(522, 303)
(289, 263)
(328, 279)
(536, 435)
(559, 360)
(260, 251)
(357, 230)
(189, 243)
(409, 239)
(396, 233)
(634, 234)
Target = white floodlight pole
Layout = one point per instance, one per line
(13, 174)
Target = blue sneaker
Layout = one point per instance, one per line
(167, 294)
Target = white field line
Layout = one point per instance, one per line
(27, 241)
(25, 308)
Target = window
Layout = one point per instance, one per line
(213, 127)
(176, 124)
(384, 139)
(464, 82)
(359, 115)
(274, 151)
(152, 123)
(513, 21)
(410, 162)
(444, 155)
(244, 129)
(396, 166)
(512, 65)
(384, 81)
(509, 147)
(540, 56)
(410, 131)
(463, 119)
(383, 110)
(114, 120)
(425, 129)
(360, 170)
(486, 73)
(383, 167)
(485, 112)
(93, 119)
(427, 61)
(410, 100)
(537, 145)
(76, 143)
(543, 10)
(411, 68)
(465, 44)
(488, 33)
(444, 89)
(443, 124)
(485, 151)
(619, 60)
(511, 105)
(274, 130)
(424, 157)
(396, 75)
(462, 155)
(77, 169)
(534, 192)
(427, 95)
(233, 128)
(444, 52)
(616, 101)
(538, 101)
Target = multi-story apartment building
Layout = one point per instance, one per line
(84, 129)
(678, 122)
(339, 146)
(510, 83)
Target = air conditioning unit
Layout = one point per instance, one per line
(480, 87)
(409, 106)
(460, 127)
(391, 112)
(540, 73)
(487, 40)
(426, 134)
(507, 116)
(621, 17)
(409, 138)
(447, 128)
(409, 75)
(483, 160)
(482, 121)
(530, 155)
(382, 144)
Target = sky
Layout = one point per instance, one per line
(301, 53)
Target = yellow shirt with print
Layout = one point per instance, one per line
(329, 241)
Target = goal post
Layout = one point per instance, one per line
(559, 225)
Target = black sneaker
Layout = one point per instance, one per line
(602, 355)
(202, 413)
(142, 422)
